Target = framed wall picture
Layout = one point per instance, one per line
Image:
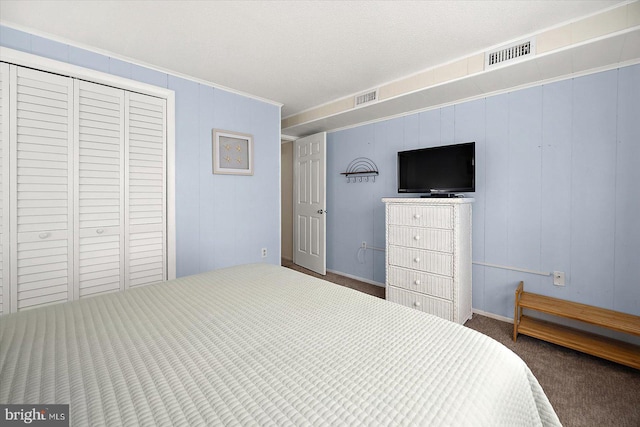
(232, 153)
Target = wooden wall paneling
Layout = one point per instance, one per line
(555, 209)
(593, 164)
(524, 168)
(627, 203)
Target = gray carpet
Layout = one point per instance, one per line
(584, 390)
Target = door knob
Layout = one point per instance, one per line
(321, 211)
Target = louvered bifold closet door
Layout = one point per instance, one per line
(145, 190)
(41, 148)
(99, 203)
(4, 188)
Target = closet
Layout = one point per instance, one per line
(83, 188)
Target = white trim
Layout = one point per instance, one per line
(287, 138)
(124, 173)
(45, 64)
(505, 267)
(108, 54)
(171, 185)
(493, 316)
(50, 65)
(75, 192)
(126, 106)
(12, 281)
(279, 254)
(361, 279)
(5, 187)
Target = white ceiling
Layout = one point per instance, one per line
(299, 53)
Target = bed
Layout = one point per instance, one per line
(261, 345)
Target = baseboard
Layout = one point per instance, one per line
(493, 316)
(361, 279)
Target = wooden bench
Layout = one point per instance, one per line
(586, 342)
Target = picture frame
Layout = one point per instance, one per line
(232, 152)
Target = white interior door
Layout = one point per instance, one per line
(309, 202)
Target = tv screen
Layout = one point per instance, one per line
(438, 170)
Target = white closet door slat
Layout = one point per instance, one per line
(145, 189)
(4, 188)
(46, 297)
(41, 204)
(99, 192)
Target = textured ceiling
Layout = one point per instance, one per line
(299, 53)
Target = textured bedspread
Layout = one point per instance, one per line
(261, 345)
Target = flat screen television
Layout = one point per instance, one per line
(439, 171)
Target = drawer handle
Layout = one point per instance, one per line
(416, 259)
(416, 216)
(417, 304)
(417, 237)
(43, 235)
(417, 282)
(100, 231)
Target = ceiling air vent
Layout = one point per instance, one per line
(366, 98)
(507, 54)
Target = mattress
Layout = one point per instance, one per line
(261, 345)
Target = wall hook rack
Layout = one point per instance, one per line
(361, 168)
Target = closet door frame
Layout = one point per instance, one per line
(6, 293)
(15, 57)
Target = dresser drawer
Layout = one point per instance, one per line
(420, 259)
(436, 306)
(421, 216)
(434, 239)
(417, 281)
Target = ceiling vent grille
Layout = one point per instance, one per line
(366, 98)
(507, 54)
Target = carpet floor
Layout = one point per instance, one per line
(584, 390)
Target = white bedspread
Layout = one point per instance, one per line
(261, 345)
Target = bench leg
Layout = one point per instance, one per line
(517, 311)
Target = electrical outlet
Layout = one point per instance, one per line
(558, 278)
(264, 252)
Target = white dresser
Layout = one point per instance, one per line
(429, 255)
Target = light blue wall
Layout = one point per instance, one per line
(557, 189)
(221, 220)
